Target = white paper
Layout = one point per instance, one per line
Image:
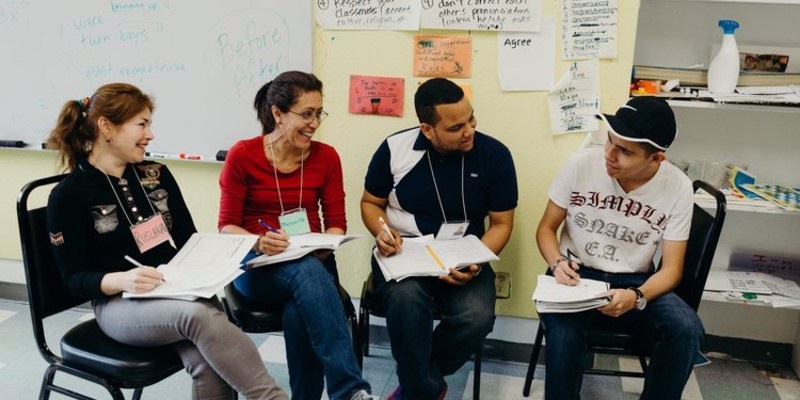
(726, 281)
(589, 29)
(575, 100)
(521, 16)
(525, 60)
(301, 245)
(202, 267)
(368, 15)
(551, 296)
(416, 259)
(214, 249)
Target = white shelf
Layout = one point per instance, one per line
(733, 106)
(719, 297)
(753, 206)
(796, 2)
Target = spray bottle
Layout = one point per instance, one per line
(723, 72)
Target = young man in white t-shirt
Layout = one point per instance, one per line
(617, 206)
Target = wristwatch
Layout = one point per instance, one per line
(641, 301)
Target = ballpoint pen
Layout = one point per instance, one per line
(268, 226)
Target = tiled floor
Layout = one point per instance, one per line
(21, 370)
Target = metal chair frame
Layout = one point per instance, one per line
(610, 339)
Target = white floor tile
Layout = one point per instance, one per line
(273, 350)
(787, 389)
(503, 387)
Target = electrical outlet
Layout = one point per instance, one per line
(502, 285)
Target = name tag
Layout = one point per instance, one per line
(151, 233)
(295, 222)
(452, 230)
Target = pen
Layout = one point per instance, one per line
(266, 225)
(136, 263)
(386, 228)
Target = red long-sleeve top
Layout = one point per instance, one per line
(249, 191)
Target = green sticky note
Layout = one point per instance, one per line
(749, 296)
(295, 223)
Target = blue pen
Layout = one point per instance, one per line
(266, 225)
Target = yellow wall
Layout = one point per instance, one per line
(519, 119)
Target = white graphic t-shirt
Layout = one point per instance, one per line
(614, 231)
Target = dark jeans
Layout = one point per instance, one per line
(674, 326)
(425, 355)
(314, 325)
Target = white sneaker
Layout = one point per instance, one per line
(363, 395)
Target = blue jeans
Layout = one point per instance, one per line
(314, 324)
(424, 355)
(674, 327)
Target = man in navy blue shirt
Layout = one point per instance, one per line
(443, 178)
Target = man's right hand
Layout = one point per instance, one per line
(566, 272)
(389, 244)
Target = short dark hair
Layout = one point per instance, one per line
(433, 92)
(282, 92)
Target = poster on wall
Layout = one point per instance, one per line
(525, 60)
(589, 29)
(376, 95)
(507, 15)
(443, 56)
(575, 99)
(399, 15)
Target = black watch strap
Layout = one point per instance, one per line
(638, 292)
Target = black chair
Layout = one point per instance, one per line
(607, 338)
(371, 304)
(257, 317)
(86, 352)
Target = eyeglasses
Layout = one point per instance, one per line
(309, 115)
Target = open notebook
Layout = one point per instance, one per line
(301, 245)
(553, 297)
(203, 266)
(425, 256)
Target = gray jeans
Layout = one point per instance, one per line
(217, 354)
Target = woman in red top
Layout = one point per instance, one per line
(282, 178)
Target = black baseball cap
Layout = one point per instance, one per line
(644, 119)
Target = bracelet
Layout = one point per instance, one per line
(555, 264)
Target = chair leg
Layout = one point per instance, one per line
(476, 379)
(537, 348)
(363, 320)
(643, 364)
(137, 394)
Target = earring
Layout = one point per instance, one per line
(108, 140)
(87, 147)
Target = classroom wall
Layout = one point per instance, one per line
(519, 119)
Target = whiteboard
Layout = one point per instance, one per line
(201, 61)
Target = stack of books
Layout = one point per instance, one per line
(699, 77)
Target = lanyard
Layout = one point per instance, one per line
(436, 187)
(277, 183)
(122, 206)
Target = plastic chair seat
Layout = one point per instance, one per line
(86, 347)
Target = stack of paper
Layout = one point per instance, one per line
(553, 297)
(205, 264)
(755, 286)
(426, 256)
(301, 245)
